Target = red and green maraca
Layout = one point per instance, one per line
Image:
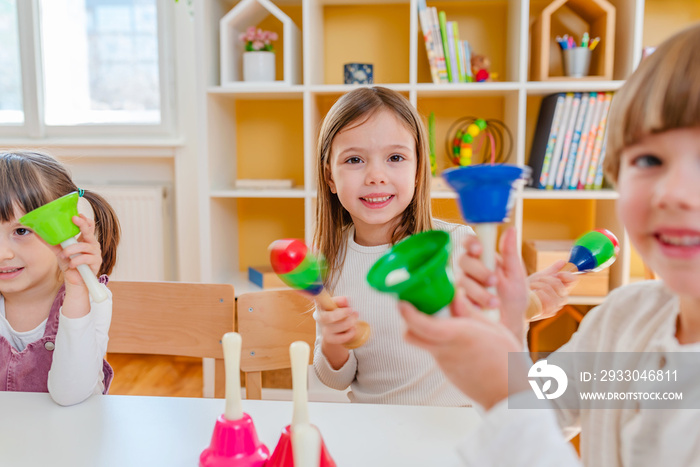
(301, 269)
(592, 252)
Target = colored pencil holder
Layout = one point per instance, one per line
(417, 271)
(359, 73)
(577, 61)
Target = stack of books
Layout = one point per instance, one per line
(569, 143)
(449, 58)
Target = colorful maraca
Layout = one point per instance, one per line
(485, 199)
(592, 252)
(234, 441)
(283, 455)
(417, 271)
(54, 223)
(300, 269)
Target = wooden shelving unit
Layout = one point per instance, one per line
(271, 131)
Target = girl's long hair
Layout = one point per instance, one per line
(29, 180)
(332, 220)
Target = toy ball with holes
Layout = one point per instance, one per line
(416, 270)
(592, 252)
(301, 269)
(292, 435)
(476, 140)
(234, 441)
(485, 199)
(53, 222)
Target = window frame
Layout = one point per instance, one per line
(30, 53)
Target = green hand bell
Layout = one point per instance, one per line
(417, 271)
(54, 223)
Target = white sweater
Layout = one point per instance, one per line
(386, 370)
(636, 318)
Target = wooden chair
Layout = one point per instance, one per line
(269, 321)
(174, 318)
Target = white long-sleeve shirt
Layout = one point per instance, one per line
(636, 318)
(80, 346)
(386, 370)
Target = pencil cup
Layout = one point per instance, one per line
(576, 61)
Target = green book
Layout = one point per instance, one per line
(443, 34)
(458, 54)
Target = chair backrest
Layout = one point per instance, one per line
(171, 318)
(268, 322)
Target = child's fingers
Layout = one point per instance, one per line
(79, 248)
(341, 301)
(327, 318)
(341, 337)
(510, 259)
(476, 293)
(87, 228)
(461, 306)
(424, 328)
(472, 246)
(474, 269)
(569, 279)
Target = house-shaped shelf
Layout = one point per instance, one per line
(573, 17)
(235, 22)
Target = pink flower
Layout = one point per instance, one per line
(257, 39)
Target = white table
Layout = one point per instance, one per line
(132, 431)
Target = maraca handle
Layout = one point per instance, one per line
(362, 329)
(97, 293)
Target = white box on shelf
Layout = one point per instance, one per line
(235, 22)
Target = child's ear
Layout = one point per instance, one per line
(330, 182)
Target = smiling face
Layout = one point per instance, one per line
(26, 263)
(373, 165)
(659, 185)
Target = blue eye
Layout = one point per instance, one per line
(647, 160)
(396, 158)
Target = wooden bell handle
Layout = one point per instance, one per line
(362, 330)
(299, 356)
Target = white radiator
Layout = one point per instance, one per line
(141, 212)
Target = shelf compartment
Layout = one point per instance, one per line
(573, 18)
(482, 24)
(263, 14)
(242, 229)
(379, 35)
(451, 108)
(243, 132)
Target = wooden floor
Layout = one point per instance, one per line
(154, 375)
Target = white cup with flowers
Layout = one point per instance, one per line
(259, 57)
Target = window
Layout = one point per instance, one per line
(10, 77)
(97, 66)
